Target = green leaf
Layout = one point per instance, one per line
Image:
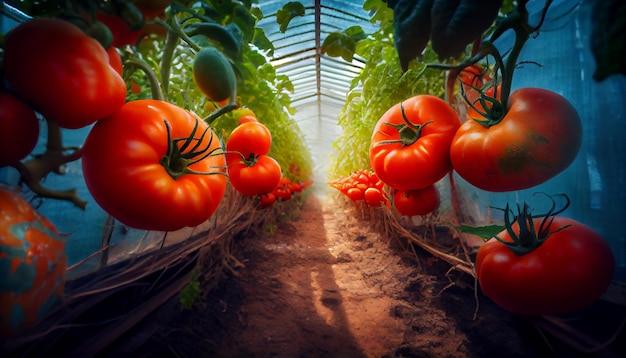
(287, 13)
(245, 20)
(261, 41)
(485, 232)
(608, 37)
(355, 32)
(411, 23)
(456, 24)
(338, 44)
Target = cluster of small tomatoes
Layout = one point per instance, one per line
(364, 185)
(251, 170)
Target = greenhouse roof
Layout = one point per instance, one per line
(320, 81)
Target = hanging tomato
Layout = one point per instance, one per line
(62, 72)
(163, 168)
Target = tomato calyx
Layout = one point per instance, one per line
(486, 106)
(408, 131)
(530, 238)
(250, 161)
(178, 158)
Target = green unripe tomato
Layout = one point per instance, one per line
(213, 74)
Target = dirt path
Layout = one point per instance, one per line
(318, 277)
(326, 285)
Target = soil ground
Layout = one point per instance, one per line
(326, 285)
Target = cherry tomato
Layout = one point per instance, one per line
(355, 194)
(373, 197)
(266, 200)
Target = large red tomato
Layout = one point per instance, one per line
(568, 271)
(410, 146)
(155, 166)
(32, 264)
(538, 138)
(65, 74)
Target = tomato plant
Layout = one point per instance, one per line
(416, 201)
(20, 129)
(163, 169)
(258, 176)
(32, 263)
(410, 146)
(62, 72)
(544, 266)
(537, 138)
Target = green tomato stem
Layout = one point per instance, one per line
(155, 86)
(171, 41)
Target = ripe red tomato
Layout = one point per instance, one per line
(410, 146)
(249, 138)
(567, 272)
(538, 138)
(284, 190)
(20, 129)
(32, 264)
(247, 118)
(65, 74)
(115, 60)
(137, 182)
(266, 200)
(373, 196)
(260, 176)
(417, 201)
(354, 193)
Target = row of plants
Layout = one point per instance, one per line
(435, 100)
(180, 101)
